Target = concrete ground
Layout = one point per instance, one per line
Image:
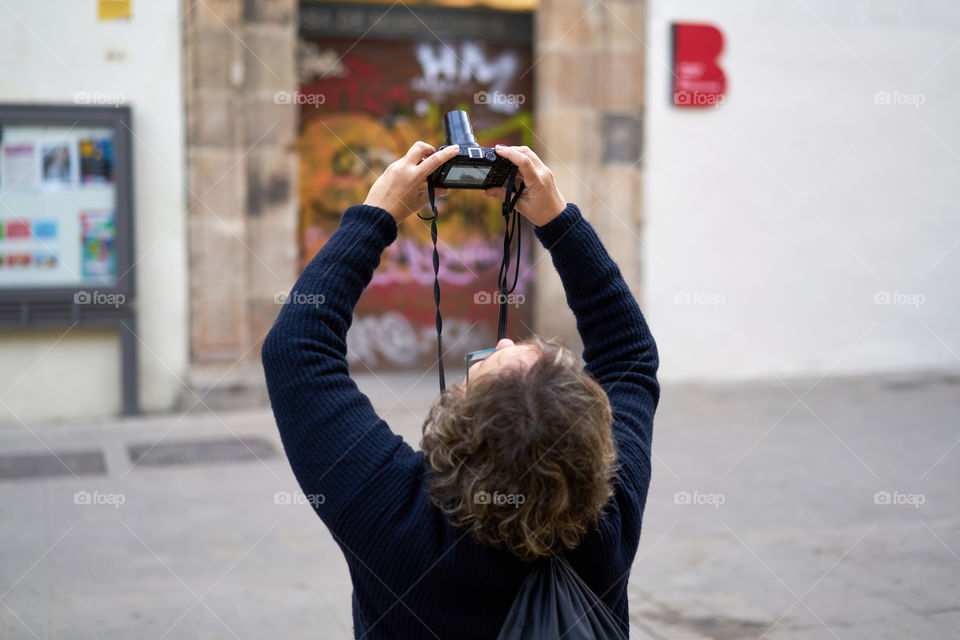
(801, 510)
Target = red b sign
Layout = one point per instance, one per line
(698, 81)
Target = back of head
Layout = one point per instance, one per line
(525, 457)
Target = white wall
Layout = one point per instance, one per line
(50, 51)
(800, 198)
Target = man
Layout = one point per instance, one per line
(530, 456)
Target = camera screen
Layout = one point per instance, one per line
(466, 175)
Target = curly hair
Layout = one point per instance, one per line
(525, 456)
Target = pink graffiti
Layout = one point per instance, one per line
(408, 260)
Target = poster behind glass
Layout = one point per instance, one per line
(58, 198)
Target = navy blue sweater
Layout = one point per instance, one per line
(414, 575)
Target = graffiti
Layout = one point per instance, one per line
(391, 339)
(315, 64)
(376, 104)
(407, 260)
(361, 88)
(444, 72)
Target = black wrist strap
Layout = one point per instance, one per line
(511, 229)
(431, 192)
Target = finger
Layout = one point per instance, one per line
(494, 192)
(524, 164)
(418, 151)
(537, 162)
(433, 162)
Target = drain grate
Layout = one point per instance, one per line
(42, 465)
(200, 452)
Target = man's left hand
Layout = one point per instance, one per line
(401, 189)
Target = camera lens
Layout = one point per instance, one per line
(457, 129)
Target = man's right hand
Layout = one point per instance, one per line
(540, 201)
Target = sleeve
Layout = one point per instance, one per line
(619, 350)
(332, 436)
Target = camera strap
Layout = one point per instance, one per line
(431, 192)
(511, 229)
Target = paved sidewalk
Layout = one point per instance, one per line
(775, 512)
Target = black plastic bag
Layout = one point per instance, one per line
(554, 602)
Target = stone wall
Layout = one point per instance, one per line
(242, 182)
(589, 83)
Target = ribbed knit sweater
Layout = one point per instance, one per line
(414, 575)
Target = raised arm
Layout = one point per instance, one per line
(333, 438)
(619, 350)
(330, 432)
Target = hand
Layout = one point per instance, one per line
(400, 190)
(540, 201)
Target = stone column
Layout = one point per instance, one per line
(588, 118)
(242, 185)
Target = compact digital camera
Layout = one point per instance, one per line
(474, 167)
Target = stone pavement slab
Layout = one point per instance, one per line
(785, 510)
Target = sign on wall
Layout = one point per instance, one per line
(64, 202)
(698, 79)
(57, 217)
